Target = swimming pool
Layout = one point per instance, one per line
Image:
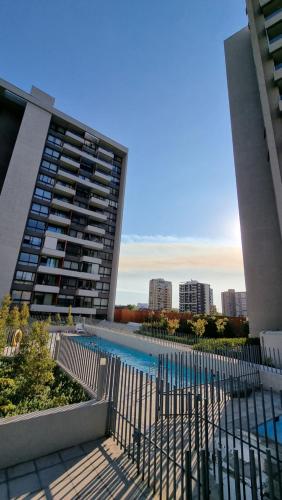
(270, 429)
(148, 363)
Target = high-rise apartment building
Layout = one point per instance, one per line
(254, 74)
(195, 297)
(61, 202)
(234, 303)
(160, 295)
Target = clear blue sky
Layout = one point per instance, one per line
(151, 74)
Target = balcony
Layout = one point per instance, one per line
(83, 182)
(58, 271)
(76, 139)
(98, 202)
(275, 44)
(263, 3)
(65, 190)
(277, 75)
(80, 292)
(69, 162)
(77, 152)
(53, 252)
(105, 152)
(102, 177)
(74, 208)
(91, 260)
(61, 221)
(273, 18)
(46, 289)
(95, 230)
(103, 164)
(61, 310)
(94, 245)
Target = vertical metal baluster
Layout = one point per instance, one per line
(220, 475)
(135, 413)
(276, 442)
(188, 476)
(161, 437)
(226, 437)
(156, 435)
(237, 475)
(139, 421)
(270, 474)
(167, 440)
(145, 428)
(257, 443)
(253, 475)
(150, 430)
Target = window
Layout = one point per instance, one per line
(113, 204)
(57, 128)
(19, 296)
(32, 241)
(76, 234)
(68, 283)
(54, 140)
(47, 279)
(36, 208)
(28, 259)
(49, 261)
(104, 271)
(105, 287)
(24, 277)
(80, 221)
(90, 268)
(100, 303)
(43, 298)
(69, 264)
(114, 192)
(46, 179)
(47, 165)
(59, 213)
(55, 229)
(65, 300)
(36, 225)
(51, 152)
(42, 194)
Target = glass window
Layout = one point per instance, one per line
(32, 241)
(28, 259)
(24, 277)
(54, 140)
(47, 165)
(42, 194)
(55, 229)
(19, 296)
(51, 152)
(36, 208)
(46, 179)
(36, 225)
(49, 261)
(68, 264)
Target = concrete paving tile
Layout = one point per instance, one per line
(24, 485)
(48, 461)
(89, 446)
(21, 469)
(4, 491)
(73, 452)
(52, 474)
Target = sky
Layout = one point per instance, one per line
(151, 75)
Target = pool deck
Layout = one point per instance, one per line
(96, 469)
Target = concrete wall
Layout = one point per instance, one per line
(271, 379)
(37, 434)
(261, 238)
(18, 188)
(272, 343)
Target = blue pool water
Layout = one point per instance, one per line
(270, 429)
(140, 360)
(147, 363)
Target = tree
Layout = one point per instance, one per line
(70, 318)
(200, 327)
(173, 325)
(35, 363)
(221, 325)
(58, 319)
(4, 314)
(14, 318)
(24, 316)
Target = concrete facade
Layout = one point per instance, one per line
(234, 304)
(61, 208)
(195, 297)
(251, 95)
(160, 295)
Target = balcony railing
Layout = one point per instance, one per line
(273, 14)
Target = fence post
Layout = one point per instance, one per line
(56, 351)
(101, 378)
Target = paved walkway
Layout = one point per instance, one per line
(95, 470)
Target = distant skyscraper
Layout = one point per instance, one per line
(160, 294)
(61, 202)
(195, 297)
(234, 303)
(254, 74)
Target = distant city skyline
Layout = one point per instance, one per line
(181, 214)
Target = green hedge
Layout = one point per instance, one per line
(212, 345)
